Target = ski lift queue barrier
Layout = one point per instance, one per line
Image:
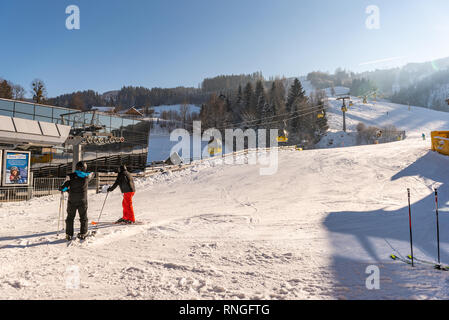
(440, 142)
(40, 187)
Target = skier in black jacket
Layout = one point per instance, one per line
(76, 186)
(126, 183)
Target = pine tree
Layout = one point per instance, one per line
(277, 97)
(296, 92)
(318, 103)
(249, 98)
(237, 106)
(239, 95)
(77, 102)
(260, 98)
(298, 107)
(268, 113)
(5, 90)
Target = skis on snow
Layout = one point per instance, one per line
(397, 258)
(418, 260)
(90, 234)
(93, 233)
(411, 258)
(436, 265)
(137, 223)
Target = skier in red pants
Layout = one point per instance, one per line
(126, 183)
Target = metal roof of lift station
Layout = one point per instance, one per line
(24, 132)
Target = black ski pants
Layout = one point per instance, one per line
(72, 207)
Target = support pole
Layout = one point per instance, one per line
(61, 211)
(77, 155)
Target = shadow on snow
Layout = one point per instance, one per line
(380, 233)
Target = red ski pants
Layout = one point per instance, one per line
(128, 211)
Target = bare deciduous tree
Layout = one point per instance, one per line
(18, 92)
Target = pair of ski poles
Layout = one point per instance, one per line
(410, 224)
(61, 213)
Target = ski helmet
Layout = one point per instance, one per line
(81, 166)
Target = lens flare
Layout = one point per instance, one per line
(435, 66)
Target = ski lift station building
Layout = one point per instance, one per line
(47, 138)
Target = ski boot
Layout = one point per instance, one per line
(82, 236)
(120, 221)
(69, 238)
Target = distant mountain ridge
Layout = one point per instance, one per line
(423, 84)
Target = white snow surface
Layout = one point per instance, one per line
(217, 231)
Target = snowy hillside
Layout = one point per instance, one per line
(415, 121)
(219, 231)
(176, 108)
(337, 91)
(306, 84)
(159, 144)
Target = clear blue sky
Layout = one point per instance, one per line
(166, 43)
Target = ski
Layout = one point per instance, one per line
(409, 262)
(104, 225)
(396, 258)
(434, 264)
(137, 223)
(70, 242)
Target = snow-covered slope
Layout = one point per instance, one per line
(219, 231)
(414, 120)
(176, 108)
(337, 91)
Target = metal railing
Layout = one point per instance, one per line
(41, 187)
(46, 186)
(15, 194)
(134, 162)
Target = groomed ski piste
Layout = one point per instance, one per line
(217, 231)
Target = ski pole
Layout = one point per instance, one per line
(60, 211)
(410, 223)
(438, 227)
(101, 212)
(63, 210)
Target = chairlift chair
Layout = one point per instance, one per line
(283, 138)
(320, 115)
(214, 147)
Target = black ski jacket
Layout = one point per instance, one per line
(77, 186)
(125, 181)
